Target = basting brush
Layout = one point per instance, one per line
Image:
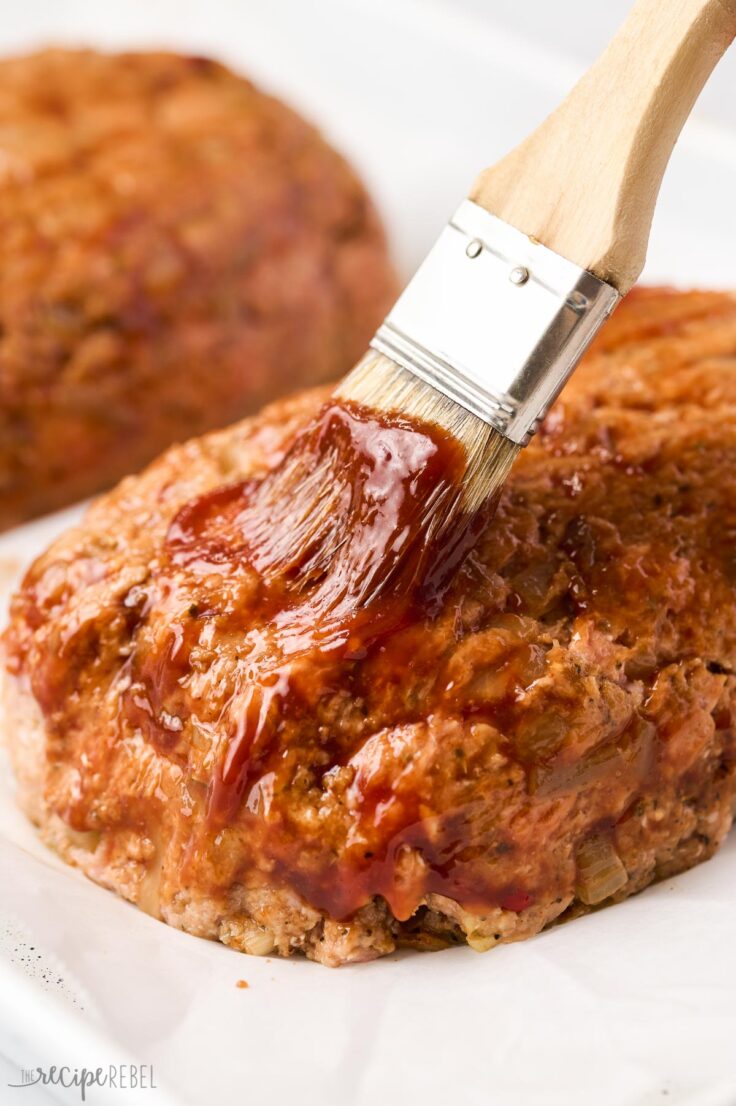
(550, 239)
(358, 530)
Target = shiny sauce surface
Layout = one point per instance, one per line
(350, 542)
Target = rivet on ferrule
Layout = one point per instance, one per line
(578, 302)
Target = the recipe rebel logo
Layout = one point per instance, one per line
(116, 1077)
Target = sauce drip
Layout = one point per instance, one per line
(358, 529)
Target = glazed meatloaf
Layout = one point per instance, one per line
(177, 249)
(556, 734)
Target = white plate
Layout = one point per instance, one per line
(629, 1007)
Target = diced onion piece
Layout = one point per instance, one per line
(600, 872)
(481, 942)
(83, 839)
(258, 943)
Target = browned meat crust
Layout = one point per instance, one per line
(559, 735)
(177, 249)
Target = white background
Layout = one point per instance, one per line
(580, 30)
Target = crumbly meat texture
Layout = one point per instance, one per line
(558, 735)
(177, 249)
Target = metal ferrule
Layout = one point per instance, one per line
(495, 321)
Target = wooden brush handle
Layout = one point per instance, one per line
(586, 181)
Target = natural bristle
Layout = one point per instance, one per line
(380, 383)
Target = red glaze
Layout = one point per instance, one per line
(342, 560)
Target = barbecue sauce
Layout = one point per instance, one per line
(353, 537)
(358, 531)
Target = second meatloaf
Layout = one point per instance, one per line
(177, 248)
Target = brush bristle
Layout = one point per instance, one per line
(380, 383)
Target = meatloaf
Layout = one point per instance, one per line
(177, 249)
(555, 734)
